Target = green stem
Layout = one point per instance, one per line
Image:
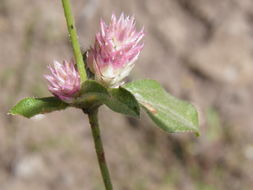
(74, 39)
(93, 118)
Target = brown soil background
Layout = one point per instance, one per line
(199, 50)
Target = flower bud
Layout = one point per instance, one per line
(64, 80)
(117, 46)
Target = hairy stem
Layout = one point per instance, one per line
(74, 39)
(93, 118)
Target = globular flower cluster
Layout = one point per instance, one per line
(116, 48)
(64, 81)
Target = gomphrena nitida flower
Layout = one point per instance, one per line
(116, 48)
(64, 80)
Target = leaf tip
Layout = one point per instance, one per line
(13, 113)
(10, 113)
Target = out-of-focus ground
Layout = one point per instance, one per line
(199, 50)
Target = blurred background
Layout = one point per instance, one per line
(199, 50)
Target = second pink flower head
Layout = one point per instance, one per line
(64, 80)
(116, 48)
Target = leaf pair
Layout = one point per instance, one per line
(169, 113)
(92, 94)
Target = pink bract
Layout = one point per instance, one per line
(64, 80)
(116, 47)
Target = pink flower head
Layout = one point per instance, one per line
(117, 46)
(64, 81)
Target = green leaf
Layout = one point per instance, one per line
(29, 107)
(122, 101)
(169, 113)
(117, 99)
